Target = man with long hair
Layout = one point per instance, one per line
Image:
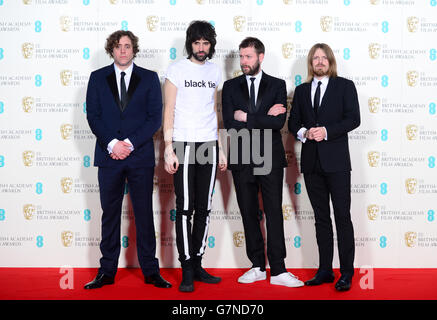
(124, 110)
(192, 147)
(324, 110)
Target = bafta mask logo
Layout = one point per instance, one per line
(412, 78)
(411, 131)
(287, 50)
(288, 1)
(65, 22)
(66, 76)
(374, 103)
(66, 131)
(237, 73)
(27, 104)
(66, 184)
(374, 50)
(374, 2)
(289, 102)
(289, 157)
(155, 184)
(410, 239)
(326, 23)
(152, 23)
(373, 158)
(239, 22)
(113, 1)
(413, 24)
(27, 50)
(200, 1)
(287, 211)
(27, 2)
(67, 238)
(28, 211)
(238, 237)
(411, 185)
(28, 157)
(372, 212)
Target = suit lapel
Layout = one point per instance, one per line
(327, 95)
(308, 98)
(112, 83)
(261, 89)
(133, 84)
(244, 91)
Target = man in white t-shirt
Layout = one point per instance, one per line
(192, 146)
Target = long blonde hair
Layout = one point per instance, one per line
(332, 70)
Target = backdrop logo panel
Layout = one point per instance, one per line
(49, 192)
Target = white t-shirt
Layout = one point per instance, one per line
(194, 117)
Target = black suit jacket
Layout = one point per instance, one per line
(138, 122)
(235, 96)
(339, 113)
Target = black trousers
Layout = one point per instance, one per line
(111, 184)
(321, 186)
(247, 186)
(194, 184)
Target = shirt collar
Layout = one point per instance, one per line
(128, 71)
(257, 76)
(324, 80)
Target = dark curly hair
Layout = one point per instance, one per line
(114, 38)
(200, 30)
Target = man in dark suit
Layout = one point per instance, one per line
(124, 110)
(254, 113)
(324, 110)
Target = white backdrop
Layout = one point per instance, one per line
(49, 198)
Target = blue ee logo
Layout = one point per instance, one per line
(211, 242)
(297, 242)
(383, 241)
(125, 241)
(173, 215)
(87, 214)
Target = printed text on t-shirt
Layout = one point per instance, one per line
(199, 84)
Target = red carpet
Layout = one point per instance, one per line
(44, 284)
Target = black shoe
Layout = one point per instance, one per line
(157, 281)
(320, 278)
(187, 284)
(344, 283)
(201, 275)
(99, 282)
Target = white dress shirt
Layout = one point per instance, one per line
(323, 86)
(127, 77)
(256, 83)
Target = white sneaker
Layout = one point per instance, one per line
(286, 279)
(254, 274)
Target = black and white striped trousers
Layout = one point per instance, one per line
(194, 184)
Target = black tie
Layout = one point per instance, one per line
(317, 98)
(252, 95)
(123, 93)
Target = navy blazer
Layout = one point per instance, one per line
(138, 122)
(235, 96)
(339, 113)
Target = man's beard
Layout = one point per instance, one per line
(320, 72)
(200, 58)
(252, 70)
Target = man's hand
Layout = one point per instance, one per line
(121, 150)
(317, 133)
(277, 109)
(223, 161)
(240, 116)
(171, 164)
